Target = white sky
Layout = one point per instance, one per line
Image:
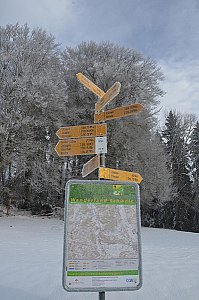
(167, 31)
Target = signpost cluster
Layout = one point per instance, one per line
(91, 267)
(92, 139)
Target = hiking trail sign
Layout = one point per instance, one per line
(102, 246)
(119, 112)
(108, 97)
(91, 139)
(82, 146)
(115, 174)
(82, 131)
(90, 85)
(91, 165)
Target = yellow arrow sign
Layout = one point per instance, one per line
(119, 112)
(82, 131)
(110, 95)
(119, 175)
(90, 85)
(83, 146)
(91, 165)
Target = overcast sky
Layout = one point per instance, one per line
(165, 30)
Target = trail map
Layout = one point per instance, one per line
(102, 236)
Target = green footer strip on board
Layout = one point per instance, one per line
(102, 273)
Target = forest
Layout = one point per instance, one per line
(39, 93)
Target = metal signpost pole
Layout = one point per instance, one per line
(103, 160)
(92, 139)
(101, 295)
(109, 95)
(102, 164)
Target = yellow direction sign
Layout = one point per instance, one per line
(110, 95)
(120, 112)
(90, 85)
(91, 165)
(114, 174)
(83, 146)
(82, 131)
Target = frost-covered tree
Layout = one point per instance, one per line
(32, 97)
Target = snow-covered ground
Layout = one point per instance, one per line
(31, 263)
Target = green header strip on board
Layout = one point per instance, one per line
(102, 194)
(102, 273)
(102, 201)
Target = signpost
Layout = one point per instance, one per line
(91, 165)
(110, 95)
(90, 85)
(118, 112)
(82, 131)
(114, 174)
(82, 146)
(102, 248)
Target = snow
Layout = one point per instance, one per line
(31, 263)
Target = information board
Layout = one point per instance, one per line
(102, 247)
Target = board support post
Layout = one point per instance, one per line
(101, 295)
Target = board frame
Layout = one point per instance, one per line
(100, 289)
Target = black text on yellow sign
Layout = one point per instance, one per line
(83, 146)
(119, 112)
(119, 175)
(82, 131)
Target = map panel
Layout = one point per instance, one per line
(102, 236)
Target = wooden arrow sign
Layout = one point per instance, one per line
(109, 96)
(91, 165)
(90, 85)
(83, 146)
(119, 112)
(119, 175)
(82, 131)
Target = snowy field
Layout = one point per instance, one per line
(31, 263)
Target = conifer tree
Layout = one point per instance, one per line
(176, 136)
(194, 148)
